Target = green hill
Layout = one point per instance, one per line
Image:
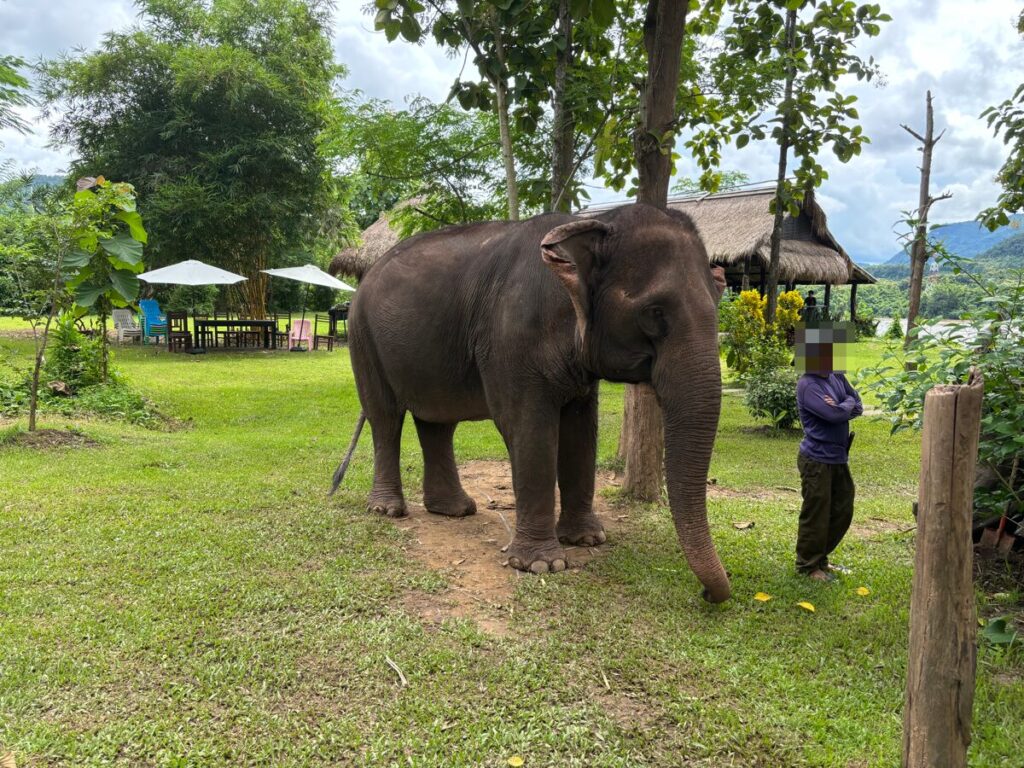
(1009, 254)
(967, 239)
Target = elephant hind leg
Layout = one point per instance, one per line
(386, 497)
(443, 493)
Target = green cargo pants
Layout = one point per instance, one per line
(826, 513)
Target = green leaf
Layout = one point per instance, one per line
(77, 259)
(742, 140)
(134, 222)
(124, 247)
(604, 12)
(87, 293)
(125, 283)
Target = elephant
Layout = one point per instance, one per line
(516, 322)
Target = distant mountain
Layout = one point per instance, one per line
(47, 181)
(1009, 254)
(967, 239)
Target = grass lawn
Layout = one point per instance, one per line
(191, 597)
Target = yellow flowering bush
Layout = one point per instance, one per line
(750, 340)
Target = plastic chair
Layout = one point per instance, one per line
(154, 321)
(125, 325)
(299, 333)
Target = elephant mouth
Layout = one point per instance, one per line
(639, 373)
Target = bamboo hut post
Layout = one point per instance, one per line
(828, 298)
(853, 303)
(941, 662)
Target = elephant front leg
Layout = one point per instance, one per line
(532, 441)
(577, 464)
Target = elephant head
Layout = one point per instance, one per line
(646, 304)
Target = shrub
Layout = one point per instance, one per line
(990, 340)
(750, 340)
(866, 325)
(895, 331)
(73, 358)
(771, 395)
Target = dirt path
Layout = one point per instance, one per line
(469, 550)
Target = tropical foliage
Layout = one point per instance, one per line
(990, 340)
(214, 112)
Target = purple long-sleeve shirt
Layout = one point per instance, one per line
(826, 427)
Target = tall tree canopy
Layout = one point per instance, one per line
(545, 69)
(1007, 119)
(213, 110)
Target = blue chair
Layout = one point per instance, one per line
(154, 322)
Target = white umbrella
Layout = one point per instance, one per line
(310, 275)
(192, 272)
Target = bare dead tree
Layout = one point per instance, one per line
(919, 247)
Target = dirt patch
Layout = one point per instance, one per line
(469, 550)
(47, 439)
(872, 527)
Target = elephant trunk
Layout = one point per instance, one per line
(689, 387)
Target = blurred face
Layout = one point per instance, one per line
(821, 347)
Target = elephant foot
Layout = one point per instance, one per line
(454, 506)
(545, 556)
(388, 506)
(582, 530)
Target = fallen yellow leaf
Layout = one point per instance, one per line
(863, 591)
(806, 606)
(763, 597)
(515, 761)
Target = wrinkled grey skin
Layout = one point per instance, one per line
(516, 322)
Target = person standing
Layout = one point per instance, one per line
(827, 403)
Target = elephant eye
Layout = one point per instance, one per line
(653, 322)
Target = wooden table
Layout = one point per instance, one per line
(265, 326)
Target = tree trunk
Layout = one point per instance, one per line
(664, 29)
(500, 84)
(775, 261)
(33, 398)
(941, 661)
(104, 347)
(919, 249)
(563, 124)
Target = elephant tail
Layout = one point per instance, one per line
(339, 473)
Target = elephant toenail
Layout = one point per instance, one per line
(539, 566)
(557, 565)
(601, 537)
(516, 563)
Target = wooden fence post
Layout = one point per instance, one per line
(940, 666)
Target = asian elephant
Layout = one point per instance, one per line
(516, 322)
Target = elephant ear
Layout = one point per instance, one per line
(718, 275)
(570, 252)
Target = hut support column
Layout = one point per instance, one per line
(745, 285)
(828, 298)
(853, 303)
(761, 287)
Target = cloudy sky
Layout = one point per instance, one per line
(966, 51)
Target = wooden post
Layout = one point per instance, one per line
(853, 303)
(940, 666)
(828, 299)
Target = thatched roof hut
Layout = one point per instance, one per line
(377, 239)
(737, 230)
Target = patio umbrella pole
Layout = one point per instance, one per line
(195, 349)
(302, 322)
